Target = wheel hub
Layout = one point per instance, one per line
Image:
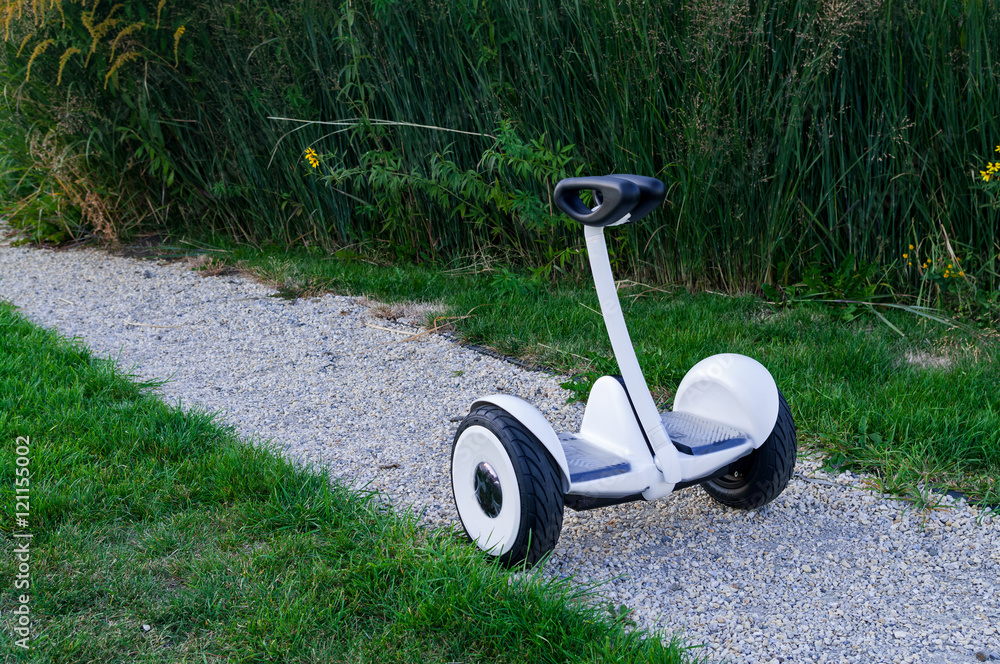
(739, 472)
(488, 491)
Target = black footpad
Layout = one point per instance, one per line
(695, 435)
(588, 462)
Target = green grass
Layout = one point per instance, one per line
(861, 394)
(144, 515)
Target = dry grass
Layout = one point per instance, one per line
(926, 360)
(412, 313)
(210, 266)
(286, 276)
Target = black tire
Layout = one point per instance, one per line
(757, 479)
(539, 487)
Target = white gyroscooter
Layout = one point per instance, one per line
(730, 429)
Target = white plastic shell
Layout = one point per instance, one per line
(610, 423)
(536, 423)
(731, 389)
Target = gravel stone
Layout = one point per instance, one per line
(828, 572)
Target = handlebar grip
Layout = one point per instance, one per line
(652, 193)
(620, 197)
(617, 195)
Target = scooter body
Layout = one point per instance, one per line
(730, 429)
(715, 421)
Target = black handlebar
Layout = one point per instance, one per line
(618, 195)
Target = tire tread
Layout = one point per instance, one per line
(775, 464)
(541, 484)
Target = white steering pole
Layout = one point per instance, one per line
(621, 343)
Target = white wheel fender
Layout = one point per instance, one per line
(731, 389)
(536, 423)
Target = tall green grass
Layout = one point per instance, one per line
(789, 132)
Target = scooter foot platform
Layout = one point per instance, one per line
(588, 462)
(695, 435)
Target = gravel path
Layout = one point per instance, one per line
(827, 573)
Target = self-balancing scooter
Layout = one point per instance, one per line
(730, 429)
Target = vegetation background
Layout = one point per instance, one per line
(794, 135)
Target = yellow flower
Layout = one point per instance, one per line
(312, 157)
(119, 61)
(159, 7)
(906, 255)
(986, 176)
(911, 246)
(63, 59)
(177, 39)
(38, 51)
(961, 273)
(121, 35)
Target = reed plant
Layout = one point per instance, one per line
(784, 129)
